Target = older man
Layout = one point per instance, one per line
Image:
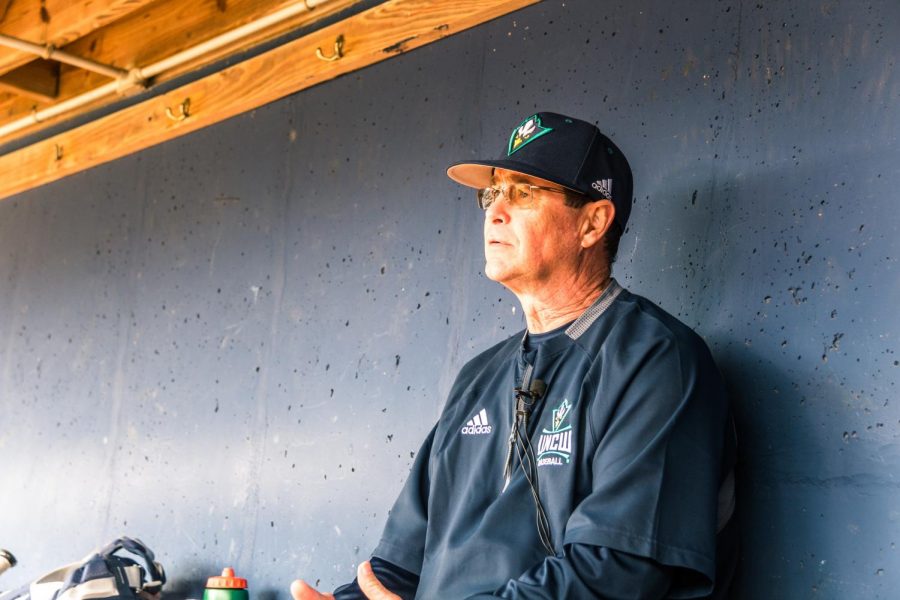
(589, 456)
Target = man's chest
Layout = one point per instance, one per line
(486, 466)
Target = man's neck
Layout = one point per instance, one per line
(545, 312)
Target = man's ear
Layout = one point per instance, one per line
(598, 217)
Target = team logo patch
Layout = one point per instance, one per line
(555, 444)
(529, 130)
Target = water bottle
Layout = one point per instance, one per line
(226, 587)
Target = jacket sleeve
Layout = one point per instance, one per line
(587, 571)
(659, 458)
(400, 581)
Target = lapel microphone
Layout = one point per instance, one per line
(525, 399)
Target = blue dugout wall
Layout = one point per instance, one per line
(231, 345)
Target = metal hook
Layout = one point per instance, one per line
(338, 50)
(58, 150)
(183, 111)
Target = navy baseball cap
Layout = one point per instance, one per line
(567, 151)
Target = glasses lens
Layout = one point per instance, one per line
(517, 195)
(486, 197)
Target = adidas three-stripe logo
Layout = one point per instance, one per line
(477, 425)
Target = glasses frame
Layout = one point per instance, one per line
(505, 193)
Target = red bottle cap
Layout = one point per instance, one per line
(227, 580)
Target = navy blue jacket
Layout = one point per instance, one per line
(634, 453)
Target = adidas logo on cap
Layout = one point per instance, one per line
(477, 425)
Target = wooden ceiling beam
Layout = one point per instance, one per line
(38, 80)
(158, 31)
(57, 22)
(168, 27)
(385, 31)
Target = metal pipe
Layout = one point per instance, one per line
(138, 75)
(49, 52)
(228, 37)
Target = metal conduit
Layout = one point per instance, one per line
(136, 76)
(49, 52)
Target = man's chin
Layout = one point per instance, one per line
(492, 272)
(496, 273)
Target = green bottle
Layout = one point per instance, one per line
(226, 587)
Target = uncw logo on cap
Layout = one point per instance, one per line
(528, 130)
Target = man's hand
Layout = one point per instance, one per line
(368, 583)
(300, 590)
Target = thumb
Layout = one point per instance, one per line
(370, 586)
(300, 590)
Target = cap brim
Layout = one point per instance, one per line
(477, 174)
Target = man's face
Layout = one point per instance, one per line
(530, 247)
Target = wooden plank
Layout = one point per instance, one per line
(164, 28)
(385, 31)
(57, 22)
(161, 30)
(39, 80)
(13, 104)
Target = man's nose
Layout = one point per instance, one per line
(498, 211)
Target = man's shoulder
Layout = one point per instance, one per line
(649, 314)
(634, 320)
(500, 351)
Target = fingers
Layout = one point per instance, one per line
(370, 585)
(300, 590)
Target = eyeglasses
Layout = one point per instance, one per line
(518, 195)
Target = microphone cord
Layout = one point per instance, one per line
(524, 451)
(528, 462)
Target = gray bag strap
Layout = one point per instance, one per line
(105, 575)
(42, 588)
(101, 574)
(155, 571)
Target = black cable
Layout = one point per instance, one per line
(528, 463)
